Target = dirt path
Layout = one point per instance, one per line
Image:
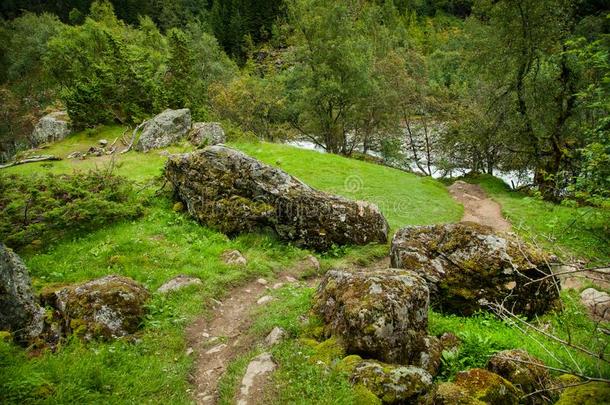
(478, 207)
(219, 339)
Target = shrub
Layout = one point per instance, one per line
(37, 209)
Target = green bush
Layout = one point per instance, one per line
(37, 209)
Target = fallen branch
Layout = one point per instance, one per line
(133, 136)
(32, 159)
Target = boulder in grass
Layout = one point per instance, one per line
(393, 384)
(488, 387)
(164, 129)
(106, 308)
(206, 134)
(526, 372)
(19, 309)
(233, 192)
(467, 266)
(381, 314)
(51, 128)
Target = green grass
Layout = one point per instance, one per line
(404, 198)
(567, 230)
(134, 165)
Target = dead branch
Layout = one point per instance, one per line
(133, 136)
(561, 370)
(32, 159)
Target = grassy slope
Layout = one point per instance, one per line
(405, 199)
(164, 243)
(564, 229)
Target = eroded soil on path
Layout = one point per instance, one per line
(478, 207)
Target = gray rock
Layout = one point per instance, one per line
(391, 383)
(104, 308)
(597, 302)
(257, 370)
(234, 193)
(50, 128)
(466, 265)
(206, 134)
(164, 129)
(178, 283)
(275, 336)
(234, 258)
(103, 142)
(381, 314)
(19, 309)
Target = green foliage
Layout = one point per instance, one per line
(39, 209)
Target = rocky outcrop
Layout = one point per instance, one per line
(392, 384)
(50, 128)
(164, 129)
(19, 309)
(466, 265)
(526, 372)
(234, 193)
(597, 302)
(206, 134)
(381, 314)
(105, 308)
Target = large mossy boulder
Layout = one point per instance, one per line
(19, 309)
(164, 129)
(448, 393)
(52, 127)
(488, 387)
(232, 192)
(467, 266)
(106, 308)
(393, 384)
(592, 393)
(526, 372)
(380, 314)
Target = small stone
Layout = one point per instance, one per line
(216, 349)
(262, 281)
(277, 286)
(597, 302)
(312, 262)
(275, 336)
(178, 283)
(258, 368)
(189, 351)
(234, 258)
(264, 299)
(291, 279)
(103, 142)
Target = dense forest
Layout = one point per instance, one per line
(477, 85)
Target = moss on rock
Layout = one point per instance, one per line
(488, 387)
(466, 266)
(105, 308)
(593, 393)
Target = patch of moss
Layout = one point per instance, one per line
(328, 351)
(364, 396)
(593, 393)
(348, 364)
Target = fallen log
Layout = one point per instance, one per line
(31, 159)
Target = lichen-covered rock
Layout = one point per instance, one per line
(228, 190)
(50, 128)
(525, 371)
(391, 383)
(105, 308)
(381, 313)
(488, 387)
(448, 393)
(430, 357)
(597, 302)
(593, 393)
(467, 266)
(164, 129)
(206, 134)
(19, 309)
(179, 282)
(234, 258)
